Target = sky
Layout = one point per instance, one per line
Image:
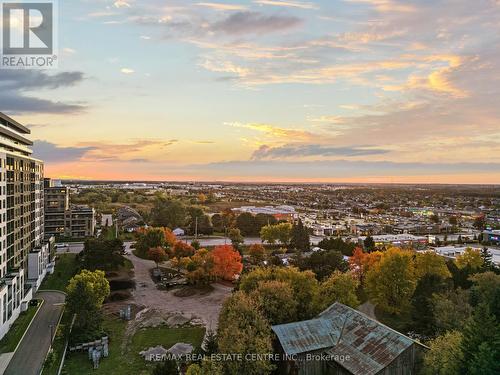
(382, 91)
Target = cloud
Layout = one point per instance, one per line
(50, 152)
(255, 23)
(121, 4)
(16, 84)
(221, 6)
(90, 152)
(305, 150)
(127, 71)
(277, 132)
(25, 80)
(290, 4)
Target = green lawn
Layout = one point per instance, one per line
(66, 268)
(130, 362)
(11, 339)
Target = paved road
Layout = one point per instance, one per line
(30, 355)
(73, 247)
(248, 241)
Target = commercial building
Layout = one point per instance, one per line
(397, 240)
(24, 257)
(492, 236)
(63, 220)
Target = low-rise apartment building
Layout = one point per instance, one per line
(64, 220)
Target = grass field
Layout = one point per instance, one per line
(66, 268)
(11, 339)
(130, 362)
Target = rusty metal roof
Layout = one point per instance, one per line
(341, 331)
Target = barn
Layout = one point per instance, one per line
(342, 341)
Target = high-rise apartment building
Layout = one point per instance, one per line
(24, 256)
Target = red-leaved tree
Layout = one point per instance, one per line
(227, 262)
(157, 255)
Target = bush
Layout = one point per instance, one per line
(121, 284)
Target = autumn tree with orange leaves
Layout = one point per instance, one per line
(157, 255)
(227, 262)
(182, 250)
(360, 262)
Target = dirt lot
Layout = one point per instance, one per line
(202, 308)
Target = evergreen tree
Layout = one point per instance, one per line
(486, 361)
(422, 312)
(300, 237)
(369, 244)
(481, 328)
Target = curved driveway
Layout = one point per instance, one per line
(31, 353)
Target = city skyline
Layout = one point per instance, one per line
(291, 91)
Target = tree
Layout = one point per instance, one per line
(430, 263)
(451, 309)
(246, 223)
(243, 329)
(257, 253)
(486, 360)
(218, 222)
(169, 213)
(445, 355)
(322, 263)
(369, 244)
(276, 301)
(210, 344)
(157, 255)
(86, 292)
(102, 254)
(198, 222)
(194, 369)
(470, 257)
(486, 289)
(273, 233)
(338, 287)
(182, 249)
(236, 238)
(262, 220)
(149, 238)
(227, 262)
(391, 282)
(167, 367)
(481, 328)
(435, 219)
(300, 237)
(422, 307)
(200, 267)
(488, 264)
(303, 284)
(337, 243)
